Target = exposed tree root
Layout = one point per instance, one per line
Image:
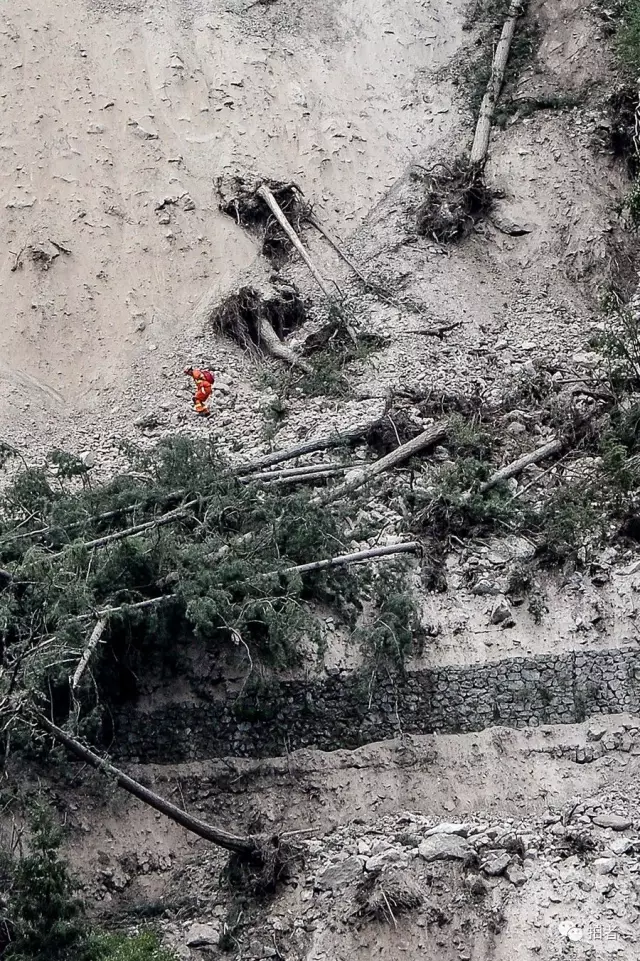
(391, 431)
(339, 336)
(258, 322)
(272, 861)
(240, 200)
(457, 197)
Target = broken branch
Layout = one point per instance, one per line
(276, 210)
(433, 435)
(411, 547)
(288, 472)
(436, 331)
(94, 640)
(135, 531)
(337, 246)
(277, 349)
(310, 446)
(517, 466)
(138, 605)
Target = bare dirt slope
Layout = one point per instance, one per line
(111, 110)
(120, 117)
(572, 888)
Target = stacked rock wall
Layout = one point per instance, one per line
(346, 710)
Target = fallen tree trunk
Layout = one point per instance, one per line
(308, 478)
(94, 640)
(288, 472)
(433, 435)
(310, 446)
(410, 547)
(240, 845)
(91, 518)
(517, 466)
(276, 348)
(337, 246)
(277, 212)
(135, 531)
(137, 605)
(480, 146)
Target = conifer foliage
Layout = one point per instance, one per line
(176, 549)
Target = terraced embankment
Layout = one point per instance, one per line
(347, 710)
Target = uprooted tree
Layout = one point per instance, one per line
(456, 193)
(104, 582)
(100, 584)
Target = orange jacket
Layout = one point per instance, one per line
(203, 382)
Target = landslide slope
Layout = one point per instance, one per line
(118, 120)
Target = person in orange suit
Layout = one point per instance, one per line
(204, 381)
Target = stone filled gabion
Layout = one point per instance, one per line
(346, 710)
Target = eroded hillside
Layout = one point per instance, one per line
(472, 796)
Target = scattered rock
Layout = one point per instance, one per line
(202, 936)
(484, 587)
(141, 132)
(386, 858)
(448, 827)
(515, 874)
(516, 428)
(477, 887)
(620, 846)
(604, 865)
(501, 613)
(146, 422)
(507, 225)
(596, 732)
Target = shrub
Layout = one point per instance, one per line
(216, 574)
(44, 920)
(141, 947)
(395, 627)
(44, 916)
(628, 37)
(569, 520)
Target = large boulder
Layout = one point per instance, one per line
(446, 847)
(339, 875)
(614, 821)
